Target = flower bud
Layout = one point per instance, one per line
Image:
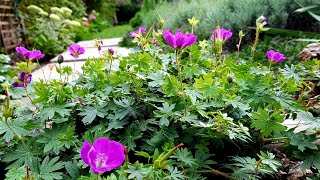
(50, 66)
(60, 59)
(162, 22)
(261, 19)
(241, 34)
(230, 80)
(111, 51)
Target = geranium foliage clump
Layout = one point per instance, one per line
(175, 108)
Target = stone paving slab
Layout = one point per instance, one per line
(53, 74)
(92, 52)
(106, 42)
(297, 124)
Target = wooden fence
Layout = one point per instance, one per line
(9, 27)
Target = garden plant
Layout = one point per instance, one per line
(175, 108)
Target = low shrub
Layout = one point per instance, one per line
(173, 109)
(236, 15)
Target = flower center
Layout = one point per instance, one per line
(101, 160)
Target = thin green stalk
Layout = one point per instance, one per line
(16, 134)
(109, 73)
(44, 76)
(257, 169)
(181, 83)
(97, 176)
(179, 71)
(28, 95)
(255, 44)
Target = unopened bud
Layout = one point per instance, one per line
(241, 34)
(60, 59)
(111, 51)
(51, 66)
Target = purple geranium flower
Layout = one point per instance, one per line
(35, 54)
(23, 51)
(221, 34)
(23, 78)
(179, 40)
(75, 50)
(104, 155)
(275, 56)
(140, 30)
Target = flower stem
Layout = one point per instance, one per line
(44, 76)
(181, 84)
(97, 176)
(28, 95)
(255, 44)
(109, 73)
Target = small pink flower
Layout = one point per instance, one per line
(91, 17)
(85, 23)
(35, 54)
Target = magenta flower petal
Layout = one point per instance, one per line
(221, 34)
(275, 56)
(22, 78)
(35, 54)
(140, 30)
(189, 40)
(23, 51)
(84, 152)
(169, 38)
(104, 155)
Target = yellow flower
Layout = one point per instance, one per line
(203, 44)
(193, 21)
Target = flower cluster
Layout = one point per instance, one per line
(104, 155)
(31, 55)
(179, 40)
(139, 31)
(274, 56)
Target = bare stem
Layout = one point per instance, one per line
(44, 76)
(28, 95)
(255, 44)
(181, 83)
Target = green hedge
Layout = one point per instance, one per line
(231, 14)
